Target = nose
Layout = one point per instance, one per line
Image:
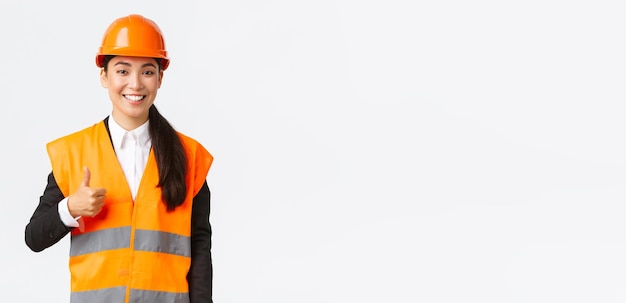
(134, 81)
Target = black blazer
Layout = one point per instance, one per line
(46, 228)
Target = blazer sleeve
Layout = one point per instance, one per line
(45, 227)
(200, 276)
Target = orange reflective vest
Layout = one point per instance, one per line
(131, 251)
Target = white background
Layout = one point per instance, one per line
(365, 151)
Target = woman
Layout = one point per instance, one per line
(130, 189)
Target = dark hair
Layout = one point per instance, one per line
(169, 153)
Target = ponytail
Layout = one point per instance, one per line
(171, 159)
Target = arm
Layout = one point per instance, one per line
(46, 227)
(200, 276)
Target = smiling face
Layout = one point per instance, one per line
(132, 83)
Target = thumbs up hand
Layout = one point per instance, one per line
(86, 201)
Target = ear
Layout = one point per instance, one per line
(160, 79)
(103, 78)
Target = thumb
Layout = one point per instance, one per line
(86, 177)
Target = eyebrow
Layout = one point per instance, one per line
(128, 64)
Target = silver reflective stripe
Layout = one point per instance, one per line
(162, 242)
(112, 238)
(106, 295)
(148, 296)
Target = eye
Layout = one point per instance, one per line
(148, 72)
(121, 72)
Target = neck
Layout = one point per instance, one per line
(129, 123)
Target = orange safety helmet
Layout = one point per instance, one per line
(134, 36)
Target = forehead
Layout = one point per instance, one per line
(133, 61)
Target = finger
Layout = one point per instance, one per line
(99, 192)
(86, 177)
(99, 200)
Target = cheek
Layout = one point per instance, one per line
(152, 84)
(114, 84)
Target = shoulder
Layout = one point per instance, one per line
(85, 132)
(79, 135)
(195, 149)
(191, 143)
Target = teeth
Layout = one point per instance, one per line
(133, 98)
